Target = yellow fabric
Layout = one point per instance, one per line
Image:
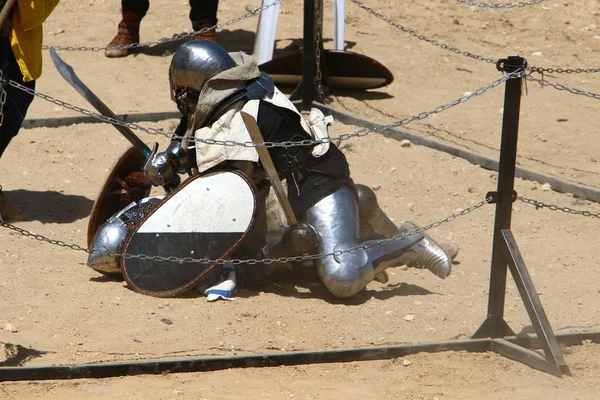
(27, 35)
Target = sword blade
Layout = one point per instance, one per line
(67, 72)
(6, 9)
(267, 162)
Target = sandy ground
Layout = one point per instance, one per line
(53, 303)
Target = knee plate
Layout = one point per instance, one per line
(110, 237)
(372, 218)
(335, 218)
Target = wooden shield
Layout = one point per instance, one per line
(125, 183)
(341, 70)
(206, 217)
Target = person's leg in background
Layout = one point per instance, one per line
(14, 111)
(203, 14)
(128, 31)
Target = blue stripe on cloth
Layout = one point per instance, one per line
(219, 292)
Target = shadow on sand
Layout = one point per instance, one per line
(51, 206)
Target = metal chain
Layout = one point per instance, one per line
(501, 5)
(3, 82)
(444, 46)
(285, 144)
(252, 261)
(558, 86)
(249, 14)
(43, 238)
(319, 29)
(541, 70)
(258, 10)
(422, 37)
(568, 210)
(512, 75)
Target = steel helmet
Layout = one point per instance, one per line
(193, 64)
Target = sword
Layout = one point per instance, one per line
(67, 72)
(6, 11)
(267, 162)
(297, 238)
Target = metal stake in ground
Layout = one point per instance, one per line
(495, 326)
(505, 252)
(307, 89)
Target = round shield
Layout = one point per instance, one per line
(205, 218)
(125, 183)
(341, 70)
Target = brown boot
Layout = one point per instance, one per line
(209, 34)
(128, 33)
(9, 211)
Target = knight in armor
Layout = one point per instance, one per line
(211, 87)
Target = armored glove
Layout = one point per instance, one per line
(162, 168)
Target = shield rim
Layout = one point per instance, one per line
(335, 65)
(193, 282)
(93, 222)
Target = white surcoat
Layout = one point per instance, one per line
(230, 126)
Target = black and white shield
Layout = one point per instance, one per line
(206, 217)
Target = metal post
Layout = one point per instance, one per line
(307, 89)
(494, 325)
(505, 252)
(308, 59)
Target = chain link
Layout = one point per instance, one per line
(285, 144)
(541, 70)
(444, 46)
(43, 238)
(558, 86)
(319, 29)
(568, 210)
(3, 82)
(252, 261)
(501, 5)
(249, 14)
(258, 10)
(422, 37)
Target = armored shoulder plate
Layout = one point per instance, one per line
(256, 89)
(261, 87)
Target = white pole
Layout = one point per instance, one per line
(264, 43)
(339, 17)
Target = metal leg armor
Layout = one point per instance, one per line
(374, 221)
(336, 220)
(110, 237)
(372, 218)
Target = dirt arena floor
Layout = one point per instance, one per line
(51, 302)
